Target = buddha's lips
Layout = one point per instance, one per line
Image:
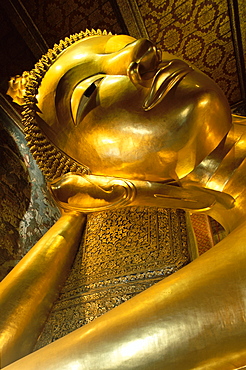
(164, 80)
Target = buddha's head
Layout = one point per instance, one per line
(117, 107)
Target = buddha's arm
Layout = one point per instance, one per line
(27, 293)
(194, 319)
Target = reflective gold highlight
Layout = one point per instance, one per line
(151, 132)
(52, 161)
(29, 290)
(111, 106)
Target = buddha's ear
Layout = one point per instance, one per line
(17, 88)
(89, 193)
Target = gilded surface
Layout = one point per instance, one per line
(148, 120)
(36, 286)
(122, 72)
(122, 253)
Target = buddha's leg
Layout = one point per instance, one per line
(28, 292)
(194, 319)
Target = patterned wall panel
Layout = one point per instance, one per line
(56, 19)
(200, 32)
(208, 232)
(202, 231)
(122, 253)
(242, 20)
(197, 30)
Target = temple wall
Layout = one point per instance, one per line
(26, 208)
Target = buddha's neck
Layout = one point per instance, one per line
(224, 171)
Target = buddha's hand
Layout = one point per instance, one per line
(89, 193)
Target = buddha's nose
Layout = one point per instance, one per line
(146, 58)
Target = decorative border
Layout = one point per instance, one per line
(132, 18)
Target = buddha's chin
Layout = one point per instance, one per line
(143, 173)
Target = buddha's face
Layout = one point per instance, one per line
(115, 105)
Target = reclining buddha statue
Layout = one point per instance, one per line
(117, 125)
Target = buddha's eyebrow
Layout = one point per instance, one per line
(82, 95)
(69, 80)
(116, 51)
(66, 86)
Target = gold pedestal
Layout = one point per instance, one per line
(122, 253)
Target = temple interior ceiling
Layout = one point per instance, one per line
(210, 34)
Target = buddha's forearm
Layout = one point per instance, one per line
(195, 319)
(27, 293)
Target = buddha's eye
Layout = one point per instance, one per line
(82, 94)
(90, 90)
